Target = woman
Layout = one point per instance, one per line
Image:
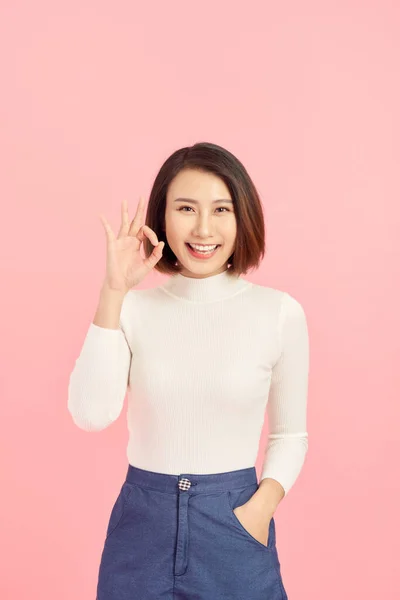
(203, 357)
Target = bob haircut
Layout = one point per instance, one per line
(207, 157)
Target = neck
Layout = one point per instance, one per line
(205, 289)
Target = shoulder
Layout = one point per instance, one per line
(292, 307)
(287, 306)
(139, 300)
(267, 294)
(135, 296)
(133, 304)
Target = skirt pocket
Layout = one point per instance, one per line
(237, 497)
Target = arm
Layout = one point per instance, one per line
(99, 379)
(287, 403)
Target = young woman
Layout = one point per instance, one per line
(203, 357)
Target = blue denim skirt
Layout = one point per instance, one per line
(173, 537)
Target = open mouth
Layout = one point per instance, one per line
(201, 254)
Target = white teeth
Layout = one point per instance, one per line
(203, 248)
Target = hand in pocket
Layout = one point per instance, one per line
(255, 521)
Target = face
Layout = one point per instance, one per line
(199, 210)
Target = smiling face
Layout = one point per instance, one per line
(199, 210)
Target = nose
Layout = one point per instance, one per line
(204, 229)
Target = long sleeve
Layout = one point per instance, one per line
(287, 402)
(99, 379)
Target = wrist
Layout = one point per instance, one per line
(269, 494)
(106, 290)
(263, 504)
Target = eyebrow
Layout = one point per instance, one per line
(197, 202)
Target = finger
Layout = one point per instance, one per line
(145, 231)
(140, 235)
(155, 256)
(138, 219)
(109, 232)
(150, 234)
(124, 228)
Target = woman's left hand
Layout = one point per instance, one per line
(255, 519)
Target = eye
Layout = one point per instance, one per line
(219, 208)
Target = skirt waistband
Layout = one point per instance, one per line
(192, 482)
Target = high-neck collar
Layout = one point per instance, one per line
(205, 289)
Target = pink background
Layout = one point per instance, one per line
(95, 96)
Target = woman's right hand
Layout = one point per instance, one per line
(125, 266)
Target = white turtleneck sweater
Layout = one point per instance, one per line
(203, 361)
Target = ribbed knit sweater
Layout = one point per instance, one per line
(204, 361)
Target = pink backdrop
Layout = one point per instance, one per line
(95, 95)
